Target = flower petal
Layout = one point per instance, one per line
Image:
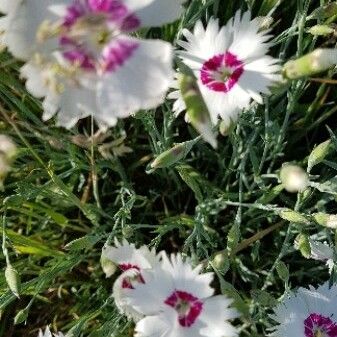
(25, 19)
(160, 12)
(140, 83)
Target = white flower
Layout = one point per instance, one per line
(177, 301)
(322, 252)
(47, 333)
(133, 262)
(308, 313)
(230, 64)
(87, 63)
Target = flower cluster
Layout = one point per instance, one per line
(81, 59)
(166, 296)
(308, 313)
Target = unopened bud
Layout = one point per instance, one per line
(21, 316)
(292, 216)
(318, 154)
(220, 261)
(226, 127)
(315, 62)
(321, 30)
(326, 220)
(196, 108)
(173, 155)
(13, 280)
(325, 12)
(294, 178)
(109, 268)
(302, 243)
(7, 148)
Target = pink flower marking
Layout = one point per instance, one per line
(114, 11)
(221, 72)
(127, 282)
(316, 325)
(127, 266)
(115, 54)
(188, 307)
(88, 35)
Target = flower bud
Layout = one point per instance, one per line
(21, 316)
(324, 12)
(173, 155)
(315, 62)
(321, 30)
(292, 216)
(326, 220)
(302, 243)
(318, 154)
(109, 268)
(196, 108)
(226, 127)
(13, 280)
(294, 178)
(220, 261)
(7, 148)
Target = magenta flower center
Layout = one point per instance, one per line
(187, 306)
(89, 34)
(316, 325)
(129, 280)
(221, 72)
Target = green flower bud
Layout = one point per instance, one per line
(109, 268)
(326, 220)
(221, 261)
(292, 216)
(321, 30)
(315, 62)
(13, 280)
(21, 316)
(282, 271)
(302, 243)
(226, 127)
(294, 178)
(318, 154)
(196, 108)
(325, 12)
(173, 155)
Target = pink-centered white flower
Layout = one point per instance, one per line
(132, 262)
(47, 333)
(177, 300)
(230, 64)
(307, 313)
(82, 60)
